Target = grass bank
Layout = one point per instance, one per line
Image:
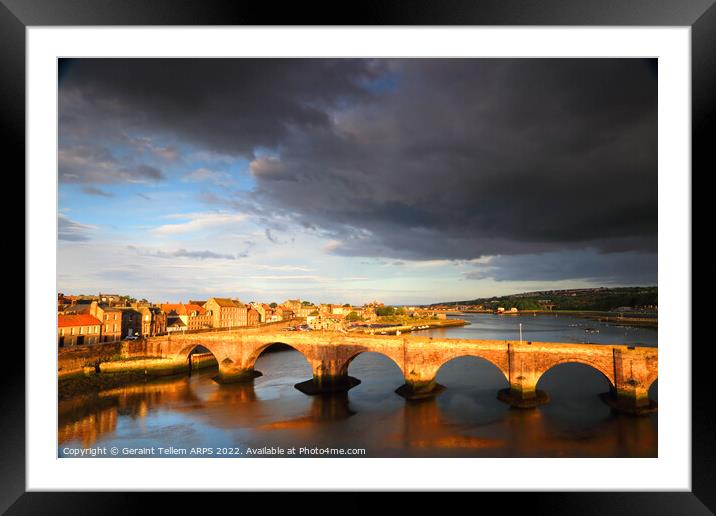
(406, 324)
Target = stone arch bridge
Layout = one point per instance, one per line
(629, 370)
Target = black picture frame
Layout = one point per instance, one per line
(700, 15)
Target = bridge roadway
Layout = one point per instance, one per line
(629, 370)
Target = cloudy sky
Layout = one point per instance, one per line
(348, 180)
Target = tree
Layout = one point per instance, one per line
(273, 305)
(385, 311)
(352, 317)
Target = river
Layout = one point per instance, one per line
(466, 420)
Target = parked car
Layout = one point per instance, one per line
(131, 337)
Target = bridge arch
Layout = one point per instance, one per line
(606, 375)
(259, 350)
(479, 359)
(188, 349)
(480, 356)
(348, 361)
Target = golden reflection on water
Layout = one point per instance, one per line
(334, 407)
(420, 426)
(87, 429)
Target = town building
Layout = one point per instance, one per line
(253, 318)
(305, 311)
(226, 313)
(324, 321)
(112, 299)
(284, 313)
(77, 330)
(110, 318)
(131, 321)
(292, 304)
(154, 320)
(261, 309)
(174, 323)
(193, 316)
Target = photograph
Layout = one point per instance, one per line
(357, 257)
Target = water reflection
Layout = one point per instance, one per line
(466, 420)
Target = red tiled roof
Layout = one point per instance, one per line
(65, 321)
(195, 308)
(178, 308)
(183, 309)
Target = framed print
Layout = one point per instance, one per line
(416, 250)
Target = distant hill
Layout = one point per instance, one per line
(602, 299)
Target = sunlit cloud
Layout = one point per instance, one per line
(200, 222)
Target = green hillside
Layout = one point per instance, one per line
(600, 299)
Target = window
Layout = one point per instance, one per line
(62, 332)
(81, 330)
(72, 331)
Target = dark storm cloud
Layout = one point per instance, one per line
(88, 164)
(226, 105)
(409, 159)
(614, 268)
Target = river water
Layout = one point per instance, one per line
(179, 414)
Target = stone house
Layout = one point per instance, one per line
(154, 320)
(226, 313)
(293, 304)
(253, 318)
(110, 318)
(284, 313)
(131, 321)
(261, 309)
(193, 316)
(77, 330)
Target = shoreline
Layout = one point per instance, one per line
(409, 328)
(129, 371)
(601, 316)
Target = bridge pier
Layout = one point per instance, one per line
(230, 372)
(634, 403)
(523, 373)
(328, 376)
(519, 397)
(631, 375)
(420, 380)
(419, 390)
